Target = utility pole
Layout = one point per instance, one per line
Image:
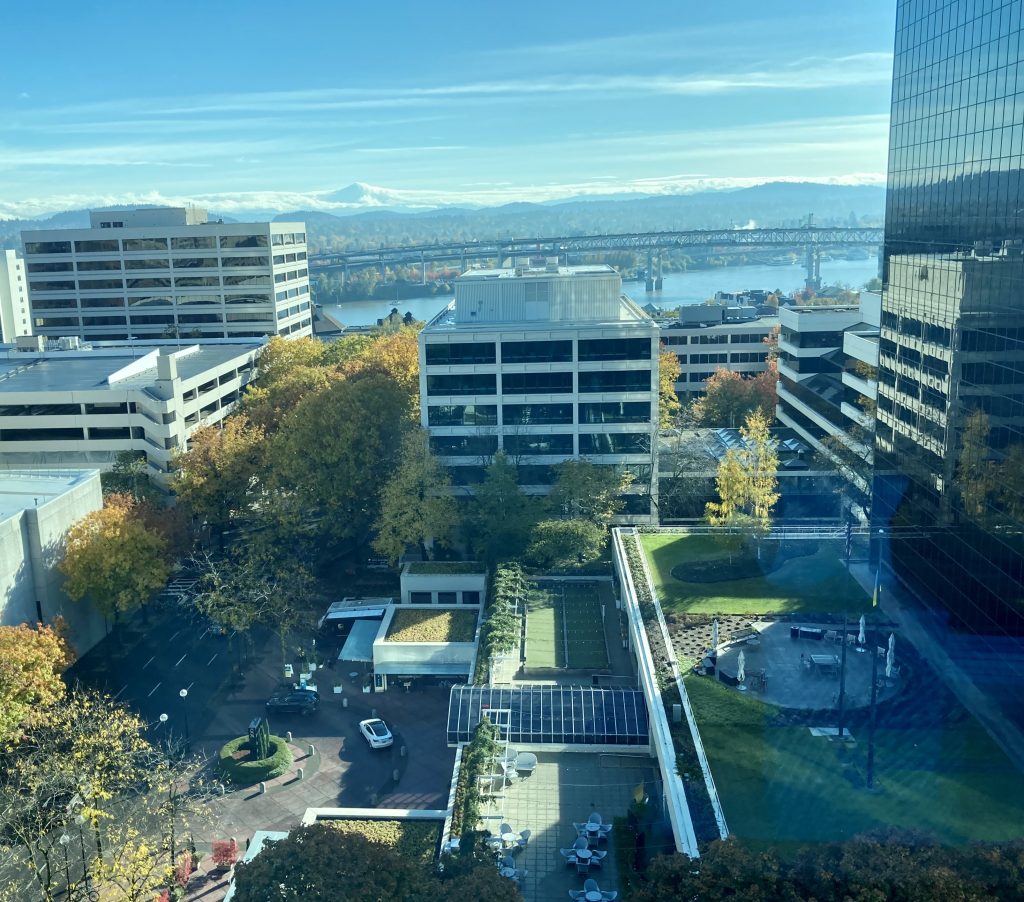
(842, 683)
(873, 648)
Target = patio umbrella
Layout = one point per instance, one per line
(861, 638)
(741, 668)
(714, 634)
(890, 655)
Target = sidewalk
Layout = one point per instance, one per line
(925, 633)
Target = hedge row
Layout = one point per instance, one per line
(245, 772)
(501, 627)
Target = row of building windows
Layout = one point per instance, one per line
(588, 350)
(151, 301)
(744, 338)
(129, 245)
(250, 316)
(155, 282)
(544, 474)
(540, 383)
(290, 276)
(538, 414)
(561, 444)
(67, 266)
(69, 434)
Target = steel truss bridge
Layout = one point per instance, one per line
(811, 239)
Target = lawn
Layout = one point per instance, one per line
(815, 582)
(940, 773)
(564, 627)
(419, 625)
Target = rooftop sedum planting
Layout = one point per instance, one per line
(419, 625)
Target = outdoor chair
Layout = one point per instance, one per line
(590, 886)
(832, 636)
(582, 867)
(569, 855)
(581, 843)
(524, 839)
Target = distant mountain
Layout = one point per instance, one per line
(377, 217)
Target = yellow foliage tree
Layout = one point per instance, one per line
(136, 866)
(747, 480)
(111, 556)
(395, 356)
(31, 662)
(669, 369)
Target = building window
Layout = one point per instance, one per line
(254, 281)
(536, 352)
(471, 598)
(101, 284)
(53, 286)
(48, 247)
(197, 282)
(614, 349)
(144, 244)
(105, 245)
(539, 444)
(536, 383)
(231, 241)
(462, 384)
(615, 443)
(98, 265)
(460, 352)
(462, 414)
(147, 263)
(63, 266)
(616, 412)
(467, 475)
(537, 414)
(447, 597)
(615, 381)
(421, 598)
(246, 261)
(536, 474)
(195, 262)
(149, 283)
(111, 432)
(197, 243)
(464, 445)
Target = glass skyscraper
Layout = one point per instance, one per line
(949, 461)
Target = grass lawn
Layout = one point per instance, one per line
(817, 582)
(564, 627)
(779, 784)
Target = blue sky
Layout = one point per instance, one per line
(275, 106)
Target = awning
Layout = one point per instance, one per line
(359, 644)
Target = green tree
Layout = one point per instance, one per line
(130, 476)
(975, 472)
(588, 491)
(416, 503)
(565, 543)
(500, 516)
(111, 556)
(215, 476)
(336, 449)
(669, 369)
(32, 660)
(747, 480)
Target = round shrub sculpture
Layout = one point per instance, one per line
(237, 764)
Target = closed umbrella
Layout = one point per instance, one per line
(714, 635)
(861, 638)
(741, 668)
(890, 656)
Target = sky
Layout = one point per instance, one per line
(276, 106)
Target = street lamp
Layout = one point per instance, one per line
(64, 840)
(184, 712)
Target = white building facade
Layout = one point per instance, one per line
(15, 318)
(85, 407)
(547, 364)
(168, 272)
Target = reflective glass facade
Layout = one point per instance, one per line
(949, 481)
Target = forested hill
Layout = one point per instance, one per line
(773, 204)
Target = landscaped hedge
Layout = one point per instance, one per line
(245, 772)
(501, 627)
(644, 599)
(476, 760)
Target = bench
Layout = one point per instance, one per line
(748, 632)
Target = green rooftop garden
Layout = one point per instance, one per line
(422, 625)
(438, 568)
(413, 839)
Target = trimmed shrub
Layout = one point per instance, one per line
(236, 766)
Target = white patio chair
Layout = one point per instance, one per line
(590, 886)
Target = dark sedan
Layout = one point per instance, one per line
(301, 701)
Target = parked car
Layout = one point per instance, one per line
(299, 701)
(376, 733)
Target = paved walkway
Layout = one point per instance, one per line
(927, 634)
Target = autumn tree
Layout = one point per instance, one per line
(266, 405)
(500, 516)
(282, 356)
(111, 556)
(416, 502)
(32, 660)
(130, 476)
(214, 477)
(747, 480)
(669, 369)
(729, 398)
(394, 356)
(337, 448)
(588, 491)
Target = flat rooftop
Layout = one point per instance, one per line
(629, 313)
(21, 489)
(538, 272)
(79, 370)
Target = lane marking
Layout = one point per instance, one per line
(151, 691)
(150, 661)
(204, 632)
(119, 691)
(182, 658)
(208, 663)
(190, 685)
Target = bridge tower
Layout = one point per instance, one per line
(650, 272)
(423, 268)
(658, 281)
(812, 267)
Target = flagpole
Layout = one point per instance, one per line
(842, 682)
(874, 714)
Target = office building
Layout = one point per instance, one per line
(14, 311)
(37, 508)
(949, 453)
(827, 388)
(548, 364)
(73, 406)
(716, 342)
(168, 272)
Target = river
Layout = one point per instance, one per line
(679, 288)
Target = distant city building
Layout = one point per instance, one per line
(15, 319)
(168, 272)
(549, 364)
(37, 508)
(84, 406)
(705, 340)
(828, 362)
(949, 453)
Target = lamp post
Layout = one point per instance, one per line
(81, 819)
(184, 712)
(64, 840)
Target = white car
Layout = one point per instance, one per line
(376, 733)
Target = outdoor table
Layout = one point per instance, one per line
(593, 896)
(509, 838)
(507, 872)
(826, 663)
(584, 854)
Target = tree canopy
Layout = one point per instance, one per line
(729, 398)
(669, 369)
(500, 516)
(114, 558)
(32, 660)
(747, 480)
(565, 543)
(588, 491)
